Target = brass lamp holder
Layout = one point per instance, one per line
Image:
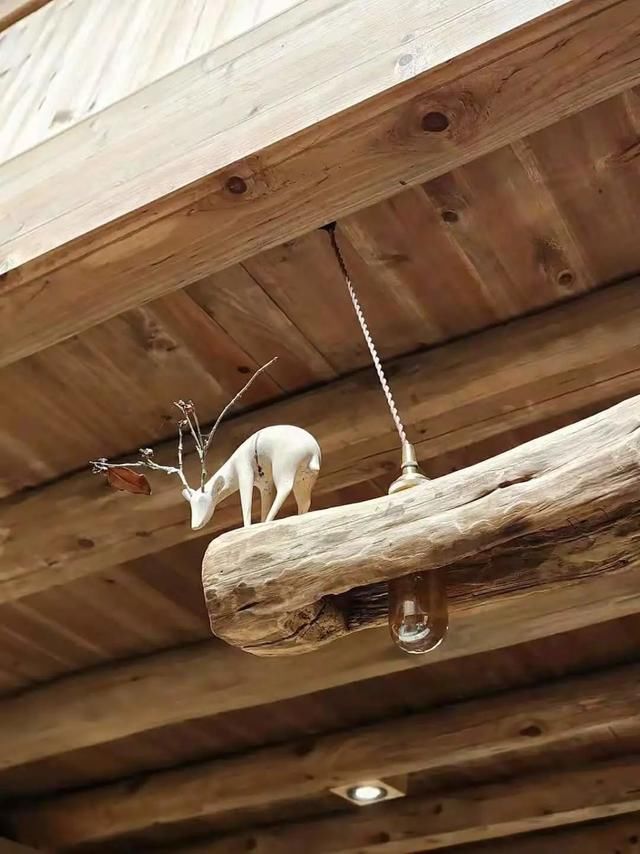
(410, 471)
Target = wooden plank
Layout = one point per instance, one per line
(587, 708)
(68, 63)
(439, 821)
(572, 358)
(615, 836)
(207, 678)
(117, 383)
(247, 313)
(600, 137)
(271, 589)
(12, 11)
(351, 127)
(7, 846)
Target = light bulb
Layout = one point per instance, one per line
(366, 793)
(418, 607)
(418, 611)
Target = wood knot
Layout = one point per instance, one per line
(236, 185)
(531, 731)
(565, 278)
(434, 122)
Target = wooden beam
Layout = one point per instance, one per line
(439, 821)
(7, 846)
(570, 358)
(50, 84)
(588, 708)
(207, 678)
(530, 515)
(614, 836)
(12, 11)
(343, 109)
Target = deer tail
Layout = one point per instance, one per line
(314, 462)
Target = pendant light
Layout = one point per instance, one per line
(418, 608)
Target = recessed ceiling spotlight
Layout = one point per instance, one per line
(366, 792)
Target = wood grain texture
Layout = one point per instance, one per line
(491, 96)
(9, 847)
(542, 507)
(116, 385)
(12, 11)
(573, 358)
(74, 59)
(498, 728)
(208, 678)
(432, 263)
(435, 822)
(83, 630)
(612, 836)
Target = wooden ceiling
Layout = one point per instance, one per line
(532, 224)
(125, 727)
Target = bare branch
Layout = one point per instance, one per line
(189, 420)
(102, 465)
(180, 444)
(187, 409)
(235, 400)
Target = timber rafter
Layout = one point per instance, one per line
(335, 143)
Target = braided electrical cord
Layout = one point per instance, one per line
(331, 229)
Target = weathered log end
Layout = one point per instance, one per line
(286, 633)
(553, 511)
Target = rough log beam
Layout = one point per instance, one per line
(572, 358)
(434, 822)
(554, 509)
(209, 678)
(614, 836)
(596, 707)
(331, 110)
(7, 846)
(549, 366)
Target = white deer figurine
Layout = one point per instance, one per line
(277, 460)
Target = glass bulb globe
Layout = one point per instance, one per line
(418, 611)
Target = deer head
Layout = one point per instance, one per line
(202, 505)
(201, 500)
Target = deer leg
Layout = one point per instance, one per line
(267, 493)
(283, 490)
(302, 490)
(245, 485)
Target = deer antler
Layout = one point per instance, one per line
(103, 465)
(235, 400)
(188, 421)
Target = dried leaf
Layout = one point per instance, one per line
(127, 480)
